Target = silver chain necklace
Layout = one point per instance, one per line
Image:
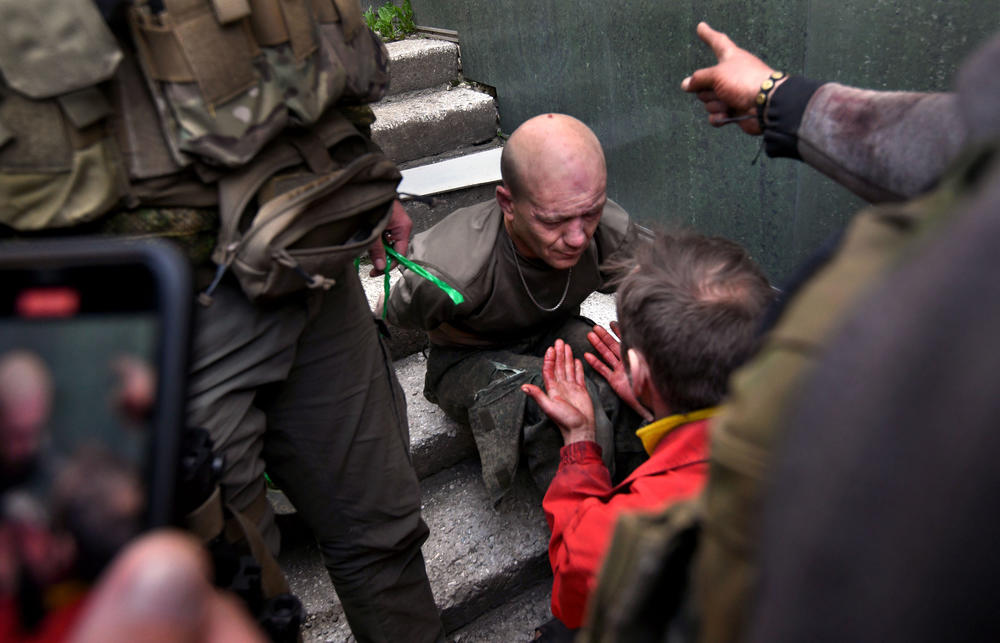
(524, 283)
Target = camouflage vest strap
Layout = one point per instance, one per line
(189, 44)
(209, 521)
(238, 189)
(349, 13)
(227, 11)
(323, 198)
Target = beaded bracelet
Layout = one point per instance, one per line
(765, 92)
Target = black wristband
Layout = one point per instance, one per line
(765, 91)
(785, 107)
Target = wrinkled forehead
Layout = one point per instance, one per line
(567, 194)
(569, 207)
(567, 188)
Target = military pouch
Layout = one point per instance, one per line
(229, 75)
(321, 199)
(59, 165)
(643, 589)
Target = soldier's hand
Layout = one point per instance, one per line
(565, 398)
(612, 368)
(396, 234)
(729, 88)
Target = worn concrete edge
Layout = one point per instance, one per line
(428, 122)
(514, 620)
(418, 63)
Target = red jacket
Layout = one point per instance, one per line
(581, 506)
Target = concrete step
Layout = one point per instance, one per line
(431, 121)
(515, 620)
(431, 68)
(418, 63)
(477, 557)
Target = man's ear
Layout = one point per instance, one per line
(506, 201)
(638, 372)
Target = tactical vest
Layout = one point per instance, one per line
(228, 104)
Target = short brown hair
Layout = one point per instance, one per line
(692, 305)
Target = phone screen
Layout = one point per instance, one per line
(85, 451)
(86, 377)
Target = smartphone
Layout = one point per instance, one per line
(93, 354)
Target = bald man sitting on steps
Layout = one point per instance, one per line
(524, 262)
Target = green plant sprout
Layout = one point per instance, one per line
(391, 22)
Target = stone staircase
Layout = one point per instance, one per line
(431, 114)
(488, 566)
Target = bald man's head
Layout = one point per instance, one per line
(543, 146)
(554, 190)
(25, 404)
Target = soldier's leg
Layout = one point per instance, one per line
(338, 446)
(238, 348)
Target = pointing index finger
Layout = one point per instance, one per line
(718, 41)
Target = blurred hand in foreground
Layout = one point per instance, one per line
(158, 591)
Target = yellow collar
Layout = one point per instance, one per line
(651, 434)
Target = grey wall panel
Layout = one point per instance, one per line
(618, 64)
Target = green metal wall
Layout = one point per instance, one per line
(617, 65)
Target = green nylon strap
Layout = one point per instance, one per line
(391, 254)
(452, 293)
(385, 281)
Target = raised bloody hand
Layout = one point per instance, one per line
(612, 368)
(565, 398)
